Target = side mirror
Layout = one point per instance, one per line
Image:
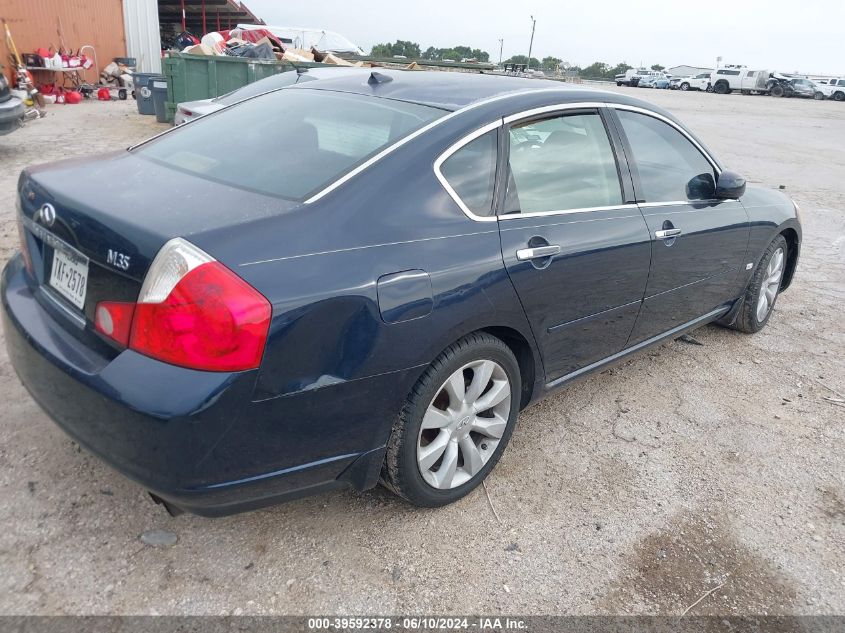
(701, 187)
(730, 186)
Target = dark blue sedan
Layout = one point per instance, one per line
(365, 278)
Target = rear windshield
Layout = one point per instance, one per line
(282, 80)
(288, 143)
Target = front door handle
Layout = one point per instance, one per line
(525, 254)
(667, 234)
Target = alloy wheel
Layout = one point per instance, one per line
(463, 424)
(771, 284)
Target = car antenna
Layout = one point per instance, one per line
(378, 78)
(300, 70)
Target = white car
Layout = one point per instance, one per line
(832, 88)
(694, 82)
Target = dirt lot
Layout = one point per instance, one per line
(687, 469)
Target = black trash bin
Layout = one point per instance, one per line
(143, 94)
(158, 87)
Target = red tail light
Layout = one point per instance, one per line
(196, 313)
(114, 319)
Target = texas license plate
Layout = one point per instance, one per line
(69, 277)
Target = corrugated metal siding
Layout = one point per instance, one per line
(36, 23)
(143, 40)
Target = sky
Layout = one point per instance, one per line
(783, 35)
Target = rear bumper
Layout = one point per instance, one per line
(11, 115)
(195, 439)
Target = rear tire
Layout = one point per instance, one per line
(762, 291)
(453, 397)
(839, 96)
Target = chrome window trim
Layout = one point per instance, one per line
(455, 147)
(671, 203)
(558, 107)
(539, 214)
(660, 117)
(407, 139)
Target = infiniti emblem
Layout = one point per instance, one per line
(46, 215)
(464, 421)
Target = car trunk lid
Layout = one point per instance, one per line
(93, 226)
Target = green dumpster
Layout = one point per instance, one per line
(195, 77)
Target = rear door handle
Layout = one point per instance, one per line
(525, 254)
(667, 234)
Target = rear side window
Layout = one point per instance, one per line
(561, 163)
(289, 143)
(670, 167)
(471, 172)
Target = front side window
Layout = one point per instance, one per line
(288, 143)
(471, 172)
(561, 163)
(670, 167)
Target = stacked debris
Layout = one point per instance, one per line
(255, 44)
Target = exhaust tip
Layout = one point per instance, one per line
(172, 510)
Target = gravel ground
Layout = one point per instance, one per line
(686, 469)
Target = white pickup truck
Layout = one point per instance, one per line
(729, 78)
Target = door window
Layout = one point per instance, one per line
(561, 163)
(471, 172)
(670, 167)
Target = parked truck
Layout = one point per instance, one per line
(729, 78)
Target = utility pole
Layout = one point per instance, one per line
(531, 45)
(501, 46)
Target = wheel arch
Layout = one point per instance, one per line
(525, 358)
(793, 243)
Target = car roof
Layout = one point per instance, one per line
(453, 90)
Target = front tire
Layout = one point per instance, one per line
(685, 86)
(763, 289)
(777, 90)
(455, 423)
(839, 96)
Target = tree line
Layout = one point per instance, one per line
(412, 50)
